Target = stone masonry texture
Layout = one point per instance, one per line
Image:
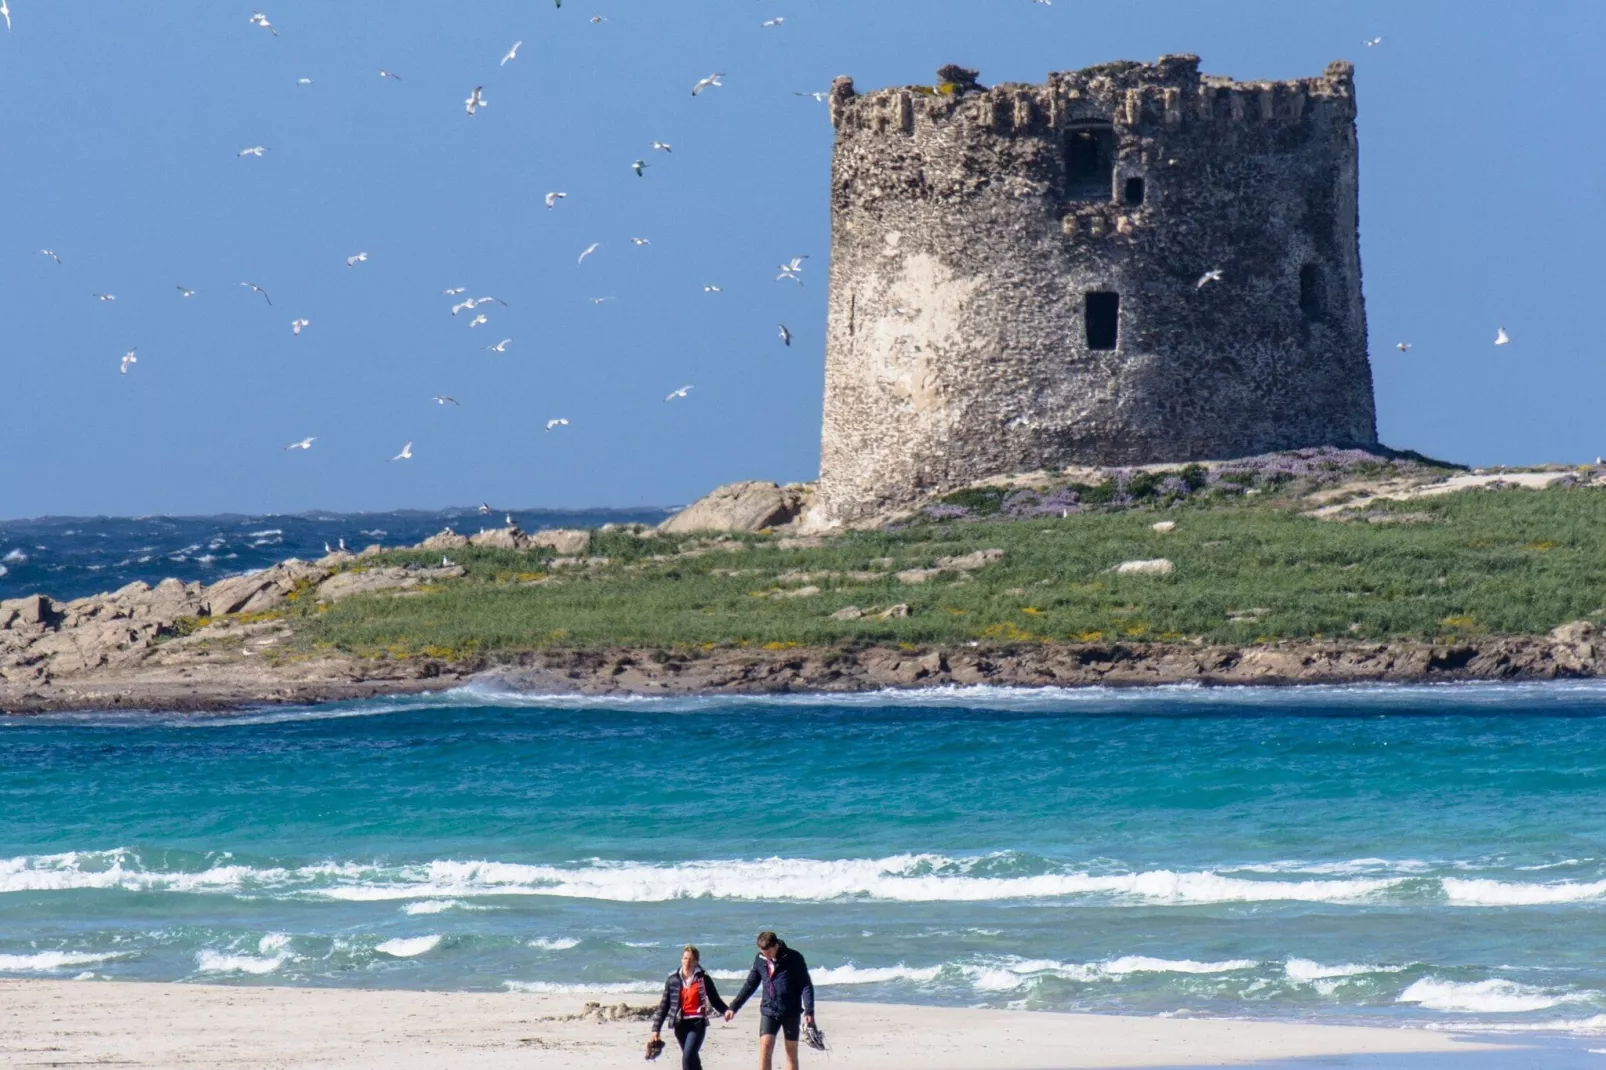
(1015, 277)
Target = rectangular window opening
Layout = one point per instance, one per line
(1312, 293)
(1103, 319)
(1090, 162)
(1134, 191)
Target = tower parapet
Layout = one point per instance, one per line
(1015, 276)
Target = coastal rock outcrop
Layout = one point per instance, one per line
(752, 506)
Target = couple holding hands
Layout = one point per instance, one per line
(786, 1008)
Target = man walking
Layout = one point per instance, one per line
(788, 998)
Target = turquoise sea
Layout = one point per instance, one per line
(1433, 856)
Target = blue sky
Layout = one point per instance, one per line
(1483, 185)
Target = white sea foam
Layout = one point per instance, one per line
(560, 988)
(15, 557)
(227, 962)
(410, 946)
(1582, 1026)
(560, 943)
(1494, 996)
(1517, 894)
(1307, 970)
(50, 960)
(433, 906)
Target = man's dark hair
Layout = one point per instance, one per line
(767, 940)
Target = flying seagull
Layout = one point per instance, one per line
(593, 247)
(356, 258)
(105, 297)
(772, 22)
(128, 358)
(663, 146)
(786, 335)
(640, 168)
(711, 80)
(639, 241)
(1373, 42)
(445, 399)
(1402, 346)
(184, 291)
(6, 11)
(406, 453)
(303, 81)
(461, 305)
(512, 53)
(389, 74)
(559, 422)
(50, 253)
(475, 101)
(500, 347)
(485, 507)
(1213, 275)
(484, 300)
(254, 150)
(304, 444)
(712, 289)
(600, 300)
(791, 270)
(477, 320)
(1501, 337)
(818, 97)
(253, 286)
(455, 290)
(597, 20)
(553, 198)
(259, 19)
(673, 394)
(296, 325)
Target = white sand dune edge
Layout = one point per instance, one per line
(199, 1026)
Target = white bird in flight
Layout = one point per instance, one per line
(105, 297)
(406, 453)
(663, 146)
(477, 320)
(6, 11)
(128, 358)
(461, 305)
(304, 444)
(554, 197)
(711, 80)
(1402, 346)
(792, 270)
(593, 247)
(303, 81)
(1501, 337)
(356, 258)
(50, 253)
(254, 287)
(475, 101)
(500, 347)
(597, 20)
(786, 335)
(1213, 275)
(712, 289)
(776, 21)
(254, 150)
(512, 53)
(600, 300)
(673, 394)
(259, 19)
(640, 168)
(1373, 42)
(389, 74)
(296, 325)
(639, 241)
(184, 291)
(559, 422)
(453, 291)
(445, 399)
(819, 97)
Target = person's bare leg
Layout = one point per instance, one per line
(791, 1055)
(766, 1053)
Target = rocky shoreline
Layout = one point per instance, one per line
(1573, 651)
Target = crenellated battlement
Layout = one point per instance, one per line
(1169, 92)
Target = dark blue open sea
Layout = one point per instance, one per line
(1433, 856)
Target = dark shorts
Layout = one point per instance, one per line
(789, 1025)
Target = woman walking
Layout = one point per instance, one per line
(689, 999)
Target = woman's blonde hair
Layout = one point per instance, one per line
(691, 949)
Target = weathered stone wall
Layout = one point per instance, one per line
(969, 224)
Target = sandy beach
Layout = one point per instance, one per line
(54, 1023)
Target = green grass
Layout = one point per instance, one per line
(1505, 562)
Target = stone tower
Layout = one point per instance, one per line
(1015, 276)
